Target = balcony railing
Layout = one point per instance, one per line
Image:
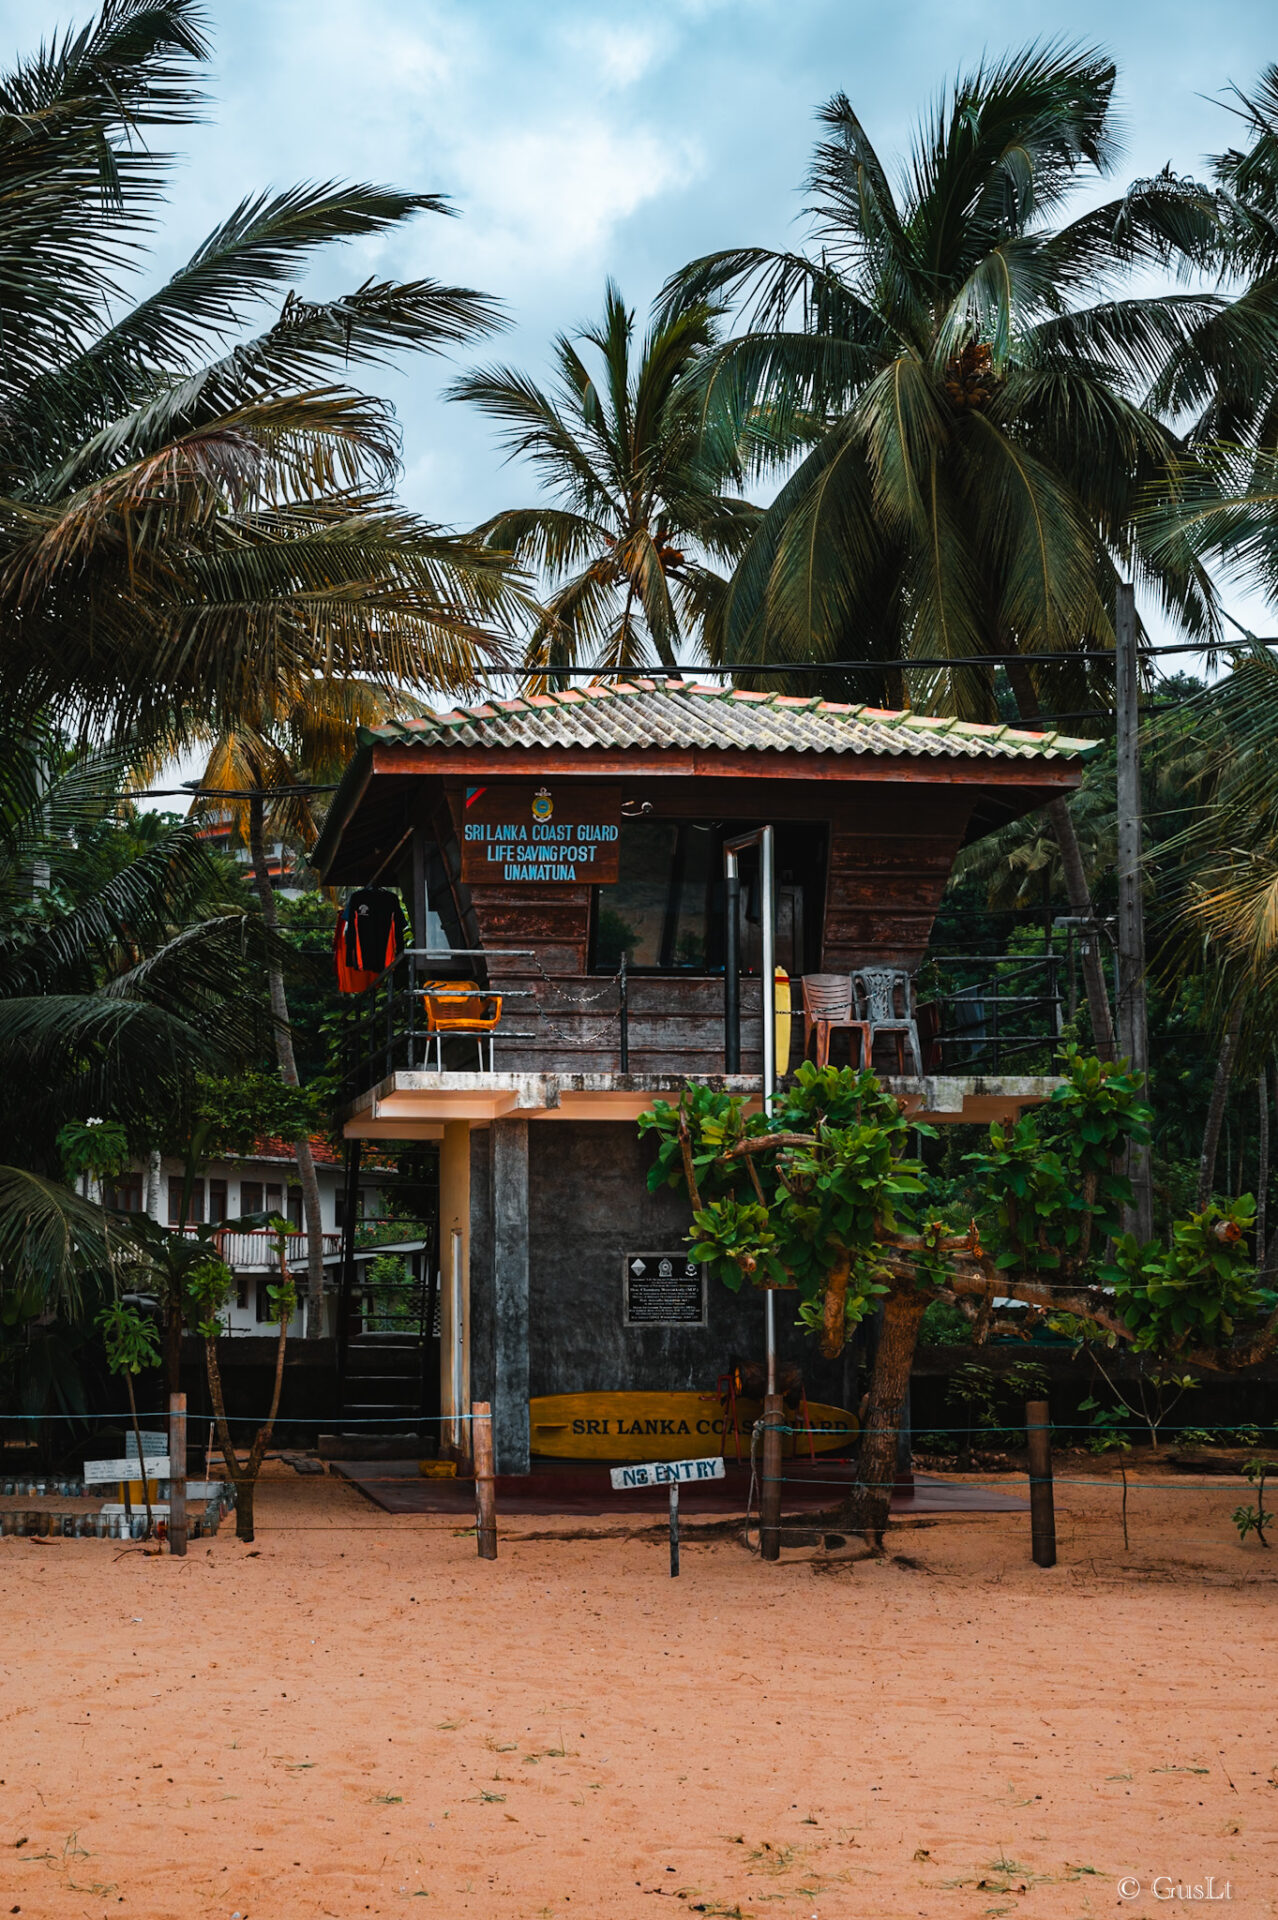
(253, 1250)
(977, 1013)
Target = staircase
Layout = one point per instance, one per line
(382, 1389)
(390, 1378)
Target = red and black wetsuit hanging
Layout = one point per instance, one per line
(371, 934)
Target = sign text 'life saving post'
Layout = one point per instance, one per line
(541, 834)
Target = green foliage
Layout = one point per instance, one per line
(129, 1338)
(944, 1325)
(209, 1284)
(823, 1194)
(240, 1109)
(1193, 1293)
(1048, 1183)
(1255, 1519)
(97, 1147)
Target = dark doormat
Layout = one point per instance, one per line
(397, 1487)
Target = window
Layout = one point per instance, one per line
(665, 911)
(217, 1201)
(263, 1302)
(295, 1206)
(195, 1205)
(124, 1193)
(250, 1196)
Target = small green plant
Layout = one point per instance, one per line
(131, 1347)
(1255, 1519)
(96, 1147)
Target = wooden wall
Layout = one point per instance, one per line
(891, 849)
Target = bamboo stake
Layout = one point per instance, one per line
(1038, 1437)
(485, 1489)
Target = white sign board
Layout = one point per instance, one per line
(668, 1473)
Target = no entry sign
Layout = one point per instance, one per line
(670, 1473)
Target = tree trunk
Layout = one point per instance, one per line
(866, 1508)
(288, 1074)
(1080, 896)
(173, 1324)
(1216, 1105)
(137, 1436)
(1262, 1161)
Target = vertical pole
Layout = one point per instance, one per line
(346, 1281)
(768, 985)
(674, 1529)
(1038, 1439)
(624, 1013)
(177, 1473)
(770, 1491)
(1133, 1038)
(457, 1357)
(731, 964)
(485, 1493)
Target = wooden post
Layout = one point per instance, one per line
(770, 1491)
(674, 1529)
(485, 1492)
(1038, 1436)
(1133, 1035)
(177, 1473)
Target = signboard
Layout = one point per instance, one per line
(666, 1473)
(663, 1290)
(555, 832)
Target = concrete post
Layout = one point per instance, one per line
(511, 1430)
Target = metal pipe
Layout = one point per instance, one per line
(764, 839)
(458, 1356)
(731, 965)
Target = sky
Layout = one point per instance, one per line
(577, 141)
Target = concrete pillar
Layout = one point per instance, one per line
(454, 1217)
(511, 1430)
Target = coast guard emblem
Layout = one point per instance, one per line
(543, 806)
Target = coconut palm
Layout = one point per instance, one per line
(264, 776)
(639, 512)
(976, 438)
(126, 966)
(191, 510)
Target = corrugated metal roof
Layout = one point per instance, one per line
(659, 713)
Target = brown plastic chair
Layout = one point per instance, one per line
(460, 1007)
(827, 1005)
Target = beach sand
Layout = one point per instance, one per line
(357, 1716)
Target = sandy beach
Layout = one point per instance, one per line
(357, 1716)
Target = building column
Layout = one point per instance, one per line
(454, 1247)
(511, 1430)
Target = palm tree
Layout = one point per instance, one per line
(300, 739)
(976, 440)
(191, 511)
(126, 966)
(639, 510)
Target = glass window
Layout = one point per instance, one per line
(658, 911)
(665, 910)
(217, 1201)
(250, 1196)
(124, 1193)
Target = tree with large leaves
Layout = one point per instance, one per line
(639, 510)
(264, 777)
(192, 510)
(966, 377)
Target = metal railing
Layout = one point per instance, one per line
(254, 1249)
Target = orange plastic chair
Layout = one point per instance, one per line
(460, 1007)
(827, 1004)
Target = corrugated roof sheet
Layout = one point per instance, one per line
(658, 713)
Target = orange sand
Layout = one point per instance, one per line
(363, 1718)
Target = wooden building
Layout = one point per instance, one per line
(566, 852)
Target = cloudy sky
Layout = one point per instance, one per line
(577, 140)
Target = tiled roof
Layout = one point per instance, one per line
(683, 713)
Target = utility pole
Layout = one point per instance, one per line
(1133, 1035)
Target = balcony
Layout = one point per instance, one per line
(254, 1250)
(579, 1046)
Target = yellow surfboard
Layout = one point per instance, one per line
(782, 1006)
(666, 1426)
